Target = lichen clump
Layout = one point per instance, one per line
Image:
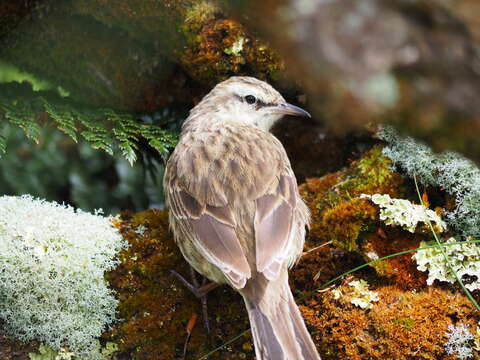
(358, 294)
(463, 260)
(452, 172)
(404, 213)
(53, 261)
(459, 341)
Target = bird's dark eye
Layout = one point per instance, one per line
(250, 99)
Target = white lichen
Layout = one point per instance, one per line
(458, 343)
(358, 294)
(52, 285)
(476, 341)
(140, 230)
(403, 213)
(449, 171)
(464, 260)
(236, 48)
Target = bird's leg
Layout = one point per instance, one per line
(199, 290)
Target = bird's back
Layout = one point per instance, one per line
(218, 164)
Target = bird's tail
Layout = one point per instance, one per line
(278, 329)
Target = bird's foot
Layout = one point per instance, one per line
(200, 290)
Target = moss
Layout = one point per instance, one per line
(337, 212)
(401, 269)
(353, 224)
(373, 174)
(200, 13)
(346, 221)
(405, 323)
(219, 47)
(402, 325)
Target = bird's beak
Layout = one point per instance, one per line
(288, 109)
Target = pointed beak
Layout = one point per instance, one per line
(289, 109)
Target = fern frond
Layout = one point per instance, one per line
(159, 139)
(64, 118)
(3, 145)
(96, 133)
(21, 113)
(125, 130)
(104, 129)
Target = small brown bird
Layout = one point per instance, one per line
(236, 212)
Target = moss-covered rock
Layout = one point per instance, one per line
(218, 47)
(342, 216)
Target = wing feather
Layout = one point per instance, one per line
(274, 227)
(214, 235)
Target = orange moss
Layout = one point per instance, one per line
(346, 221)
(402, 269)
(401, 325)
(222, 48)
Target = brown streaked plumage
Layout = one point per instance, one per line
(236, 212)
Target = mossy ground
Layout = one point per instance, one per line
(351, 223)
(409, 321)
(401, 325)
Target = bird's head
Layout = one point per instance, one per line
(246, 100)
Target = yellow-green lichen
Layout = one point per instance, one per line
(236, 48)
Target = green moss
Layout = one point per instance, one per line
(405, 323)
(338, 212)
(372, 174)
(200, 13)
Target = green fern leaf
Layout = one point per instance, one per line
(3, 145)
(103, 128)
(22, 115)
(63, 117)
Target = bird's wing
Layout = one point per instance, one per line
(212, 233)
(276, 226)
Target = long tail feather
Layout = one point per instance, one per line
(278, 329)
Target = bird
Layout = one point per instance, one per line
(236, 212)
